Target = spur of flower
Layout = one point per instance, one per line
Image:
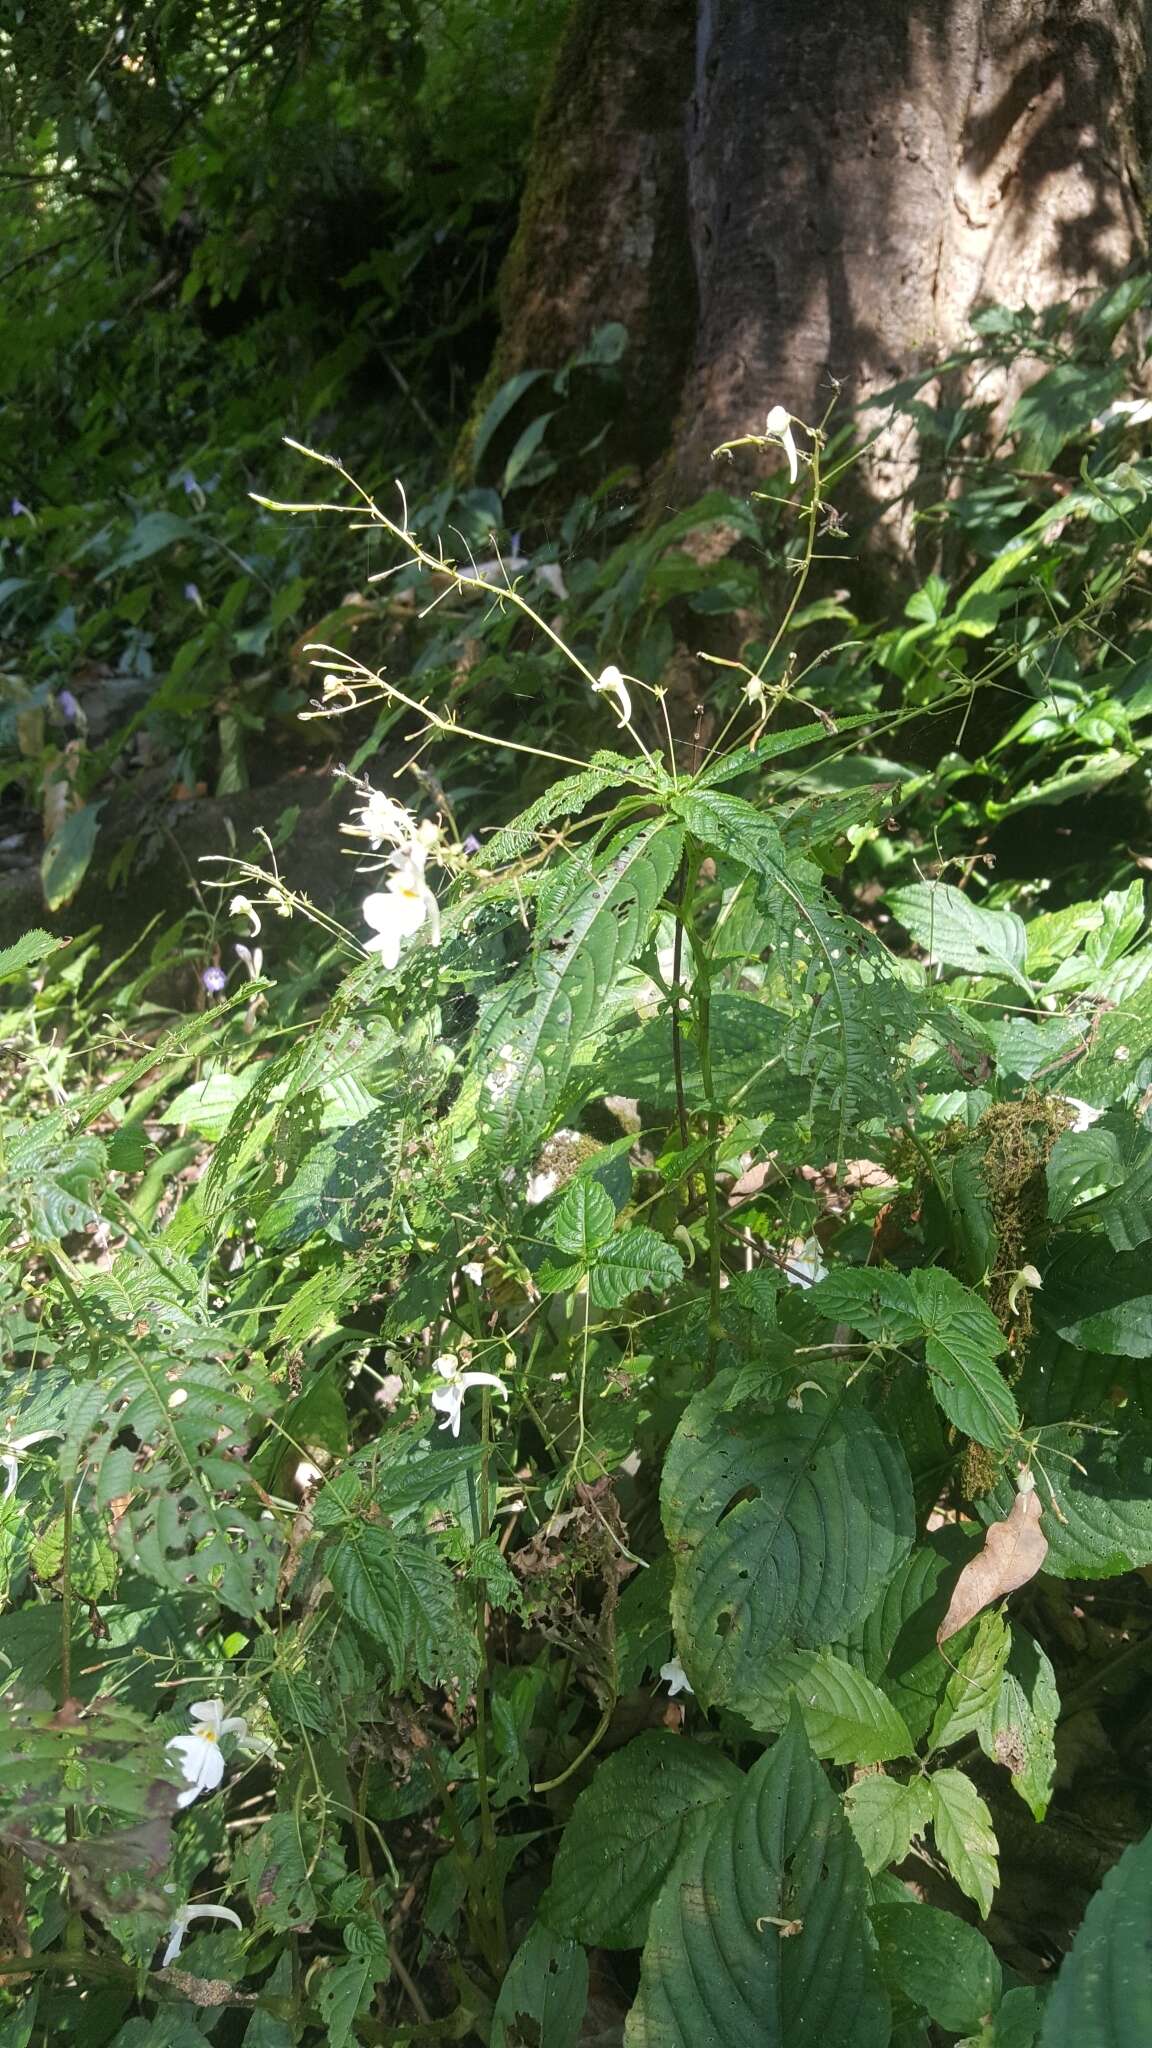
(448, 1400)
(199, 1755)
(183, 1922)
(10, 1452)
(610, 683)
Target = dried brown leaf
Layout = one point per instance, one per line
(1013, 1553)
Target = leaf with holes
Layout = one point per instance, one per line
(784, 1527)
(946, 1968)
(974, 1684)
(161, 1442)
(760, 1938)
(544, 1995)
(1018, 1728)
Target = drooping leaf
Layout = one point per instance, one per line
(965, 1836)
(644, 1807)
(759, 1937)
(1014, 1551)
(1103, 1994)
(67, 854)
(784, 1525)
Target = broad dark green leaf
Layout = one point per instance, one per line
(645, 1805)
(759, 1938)
(784, 1526)
(944, 1966)
(1103, 1994)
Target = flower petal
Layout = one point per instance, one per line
(200, 1762)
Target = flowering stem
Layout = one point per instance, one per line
(702, 994)
(492, 1887)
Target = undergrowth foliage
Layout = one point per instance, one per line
(540, 1523)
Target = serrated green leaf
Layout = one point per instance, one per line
(1018, 1728)
(884, 1815)
(972, 1689)
(399, 1592)
(565, 798)
(846, 1717)
(961, 1342)
(583, 1219)
(784, 1525)
(544, 1994)
(759, 1938)
(1103, 1994)
(632, 1260)
(531, 1032)
(959, 933)
(27, 951)
(340, 1991)
(940, 1963)
(627, 1830)
(965, 1836)
(1096, 1489)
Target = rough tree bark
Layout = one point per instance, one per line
(769, 191)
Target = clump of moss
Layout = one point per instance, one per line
(1017, 1138)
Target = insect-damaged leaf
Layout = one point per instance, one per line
(1014, 1551)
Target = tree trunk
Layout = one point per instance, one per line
(830, 191)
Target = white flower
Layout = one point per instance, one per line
(610, 683)
(383, 822)
(10, 1456)
(676, 1678)
(253, 958)
(1026, 1277)
(183, 1922)
(1086, 1116)
(199, 1753)
(803, 1265)
(1130, 412)
(448, 1400)
(778, 427)
(240, 906)
(401, 909)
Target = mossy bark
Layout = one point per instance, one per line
(769, 193)
(604, 232)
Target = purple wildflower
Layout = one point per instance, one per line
(68, 705)
(19, 509)
(471, 844)
(214, 980)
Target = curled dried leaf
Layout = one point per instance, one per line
(1014, 1550)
